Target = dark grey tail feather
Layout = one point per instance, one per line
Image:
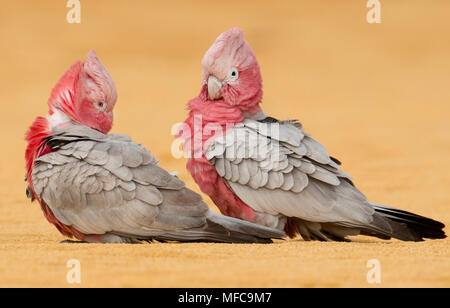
(387, 223)
(214, 234)
(205, 237)
(219, 229)
(422, 226)
(394, 229)
(240, 229)
(382, 228)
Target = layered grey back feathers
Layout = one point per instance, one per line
(276, 168)
(107, 184)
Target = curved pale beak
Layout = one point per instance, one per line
(214, 88)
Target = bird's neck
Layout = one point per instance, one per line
(38, 131)
(222, 113)
(209, 118)
(58, 119)
(256, 114)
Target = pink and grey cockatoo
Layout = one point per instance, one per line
(105, 188)
(271, 172)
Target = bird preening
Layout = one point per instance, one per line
(268, 177)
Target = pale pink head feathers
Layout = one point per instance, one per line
(231, 71)
(86, 93)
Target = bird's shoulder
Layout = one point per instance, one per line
(79, 151)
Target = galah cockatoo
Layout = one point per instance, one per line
(105, 188)
(257, 168)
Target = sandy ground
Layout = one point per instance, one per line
(376, 95)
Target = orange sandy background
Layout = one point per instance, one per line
(377, 95)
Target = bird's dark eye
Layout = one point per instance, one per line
(233, 74)
(100, 105)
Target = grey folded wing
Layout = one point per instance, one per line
(276, 168)
(106, 183)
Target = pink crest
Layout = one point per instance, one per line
(229, 50)
(97, 72)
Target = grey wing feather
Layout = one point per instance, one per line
(293, 175)
(108, 185)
